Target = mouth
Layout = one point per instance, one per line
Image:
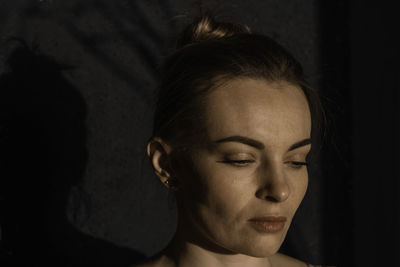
(268, 224)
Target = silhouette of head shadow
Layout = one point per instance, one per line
(43, 155)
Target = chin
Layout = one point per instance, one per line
(262, 251)
(260, 247)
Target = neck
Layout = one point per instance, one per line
(186, 250)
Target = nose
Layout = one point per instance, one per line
(273, 185)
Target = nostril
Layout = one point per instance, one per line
(270, 198)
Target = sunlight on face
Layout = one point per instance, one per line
(251, 166)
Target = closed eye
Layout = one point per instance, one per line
(239, 163)
(297, 164)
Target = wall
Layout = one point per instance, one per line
(114, 49)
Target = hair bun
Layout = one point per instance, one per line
(207, 28)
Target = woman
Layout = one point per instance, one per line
(232, 132)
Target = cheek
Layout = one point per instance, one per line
(298, 184)
(219, 193)
(216, 196)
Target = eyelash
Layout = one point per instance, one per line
(298, 164)
(242, 163)
(239, 163)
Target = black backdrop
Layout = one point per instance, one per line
(75, 184)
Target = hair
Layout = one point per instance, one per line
(209, 53)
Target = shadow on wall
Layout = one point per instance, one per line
(43, 155)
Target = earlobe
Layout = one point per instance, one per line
(159, 153)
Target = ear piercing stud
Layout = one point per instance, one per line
(170, 183)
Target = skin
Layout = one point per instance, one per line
(223, 181)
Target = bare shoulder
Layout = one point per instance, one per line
(286, 261)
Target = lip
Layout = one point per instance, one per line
(268, 224)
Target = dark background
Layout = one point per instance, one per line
(75, 185)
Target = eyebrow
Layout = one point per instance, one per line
(304, 142)
(258, 144)
(243, 140)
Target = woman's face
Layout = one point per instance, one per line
(243, 184)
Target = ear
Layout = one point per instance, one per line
(159, 153)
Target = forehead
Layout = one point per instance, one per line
(274, 113)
